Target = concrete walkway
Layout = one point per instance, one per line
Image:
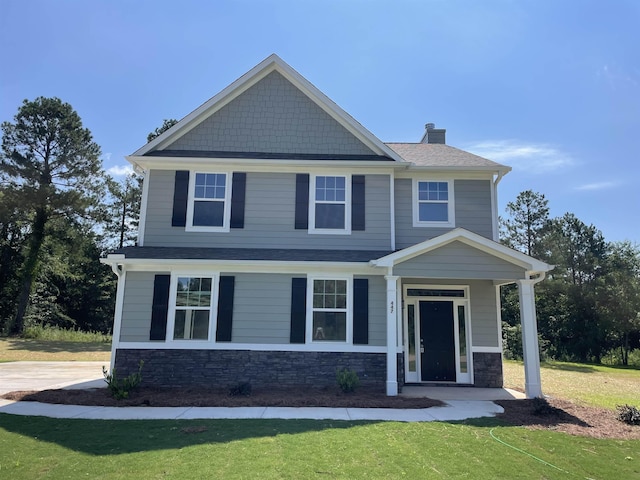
(453, 410)
(460, 402)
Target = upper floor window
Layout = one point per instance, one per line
(433, 204)
(209, 205)
(330, 205)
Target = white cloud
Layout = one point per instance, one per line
(534, 158)
(120, 170)
(597, 186)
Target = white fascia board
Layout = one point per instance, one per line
(244, 266)
(257, 164)
(492, 170)
(469, 238)
(445, 174)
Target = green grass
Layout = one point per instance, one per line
(35, 447)
(20, 349)
(56, 334)
(595, 385)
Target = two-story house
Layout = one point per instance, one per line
(280, 240)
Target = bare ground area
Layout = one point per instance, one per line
(557, 415)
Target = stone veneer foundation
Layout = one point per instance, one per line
(225, 368)
(487, 370)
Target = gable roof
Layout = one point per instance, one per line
(530, 264)
(260, 71)
(439, 155)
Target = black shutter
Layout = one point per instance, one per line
(302, 201)
(298, 309)
(180, 198)
(238, 193)
(361, 311)
(225, 309)
(160, 307)
(357, 202)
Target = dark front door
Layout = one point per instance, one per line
(438, 355)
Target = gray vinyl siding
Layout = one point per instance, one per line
(377, 310)
(472, 211)
(261, 308)
(271, 116)
(136, 309)
(269, 217)
(484, 315)
(482, 300)
(457, 260)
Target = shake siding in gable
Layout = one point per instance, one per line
(136, 311)
(472, 211)
(272, 116)
(269, 217)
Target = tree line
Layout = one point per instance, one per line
(589, 304)
(60, 212)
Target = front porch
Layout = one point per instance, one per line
(443, 311)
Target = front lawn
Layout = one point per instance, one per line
(18, 349)
(36, 447)
(595, 385)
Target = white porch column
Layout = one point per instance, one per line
(392, 337)
(531, 353)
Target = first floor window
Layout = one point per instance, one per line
(329, 311)
(193, 308)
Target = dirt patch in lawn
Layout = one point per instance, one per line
(565, 416)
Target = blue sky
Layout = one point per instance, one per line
(551, 88)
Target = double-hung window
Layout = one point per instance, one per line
(193, 307)
(209, 205)
(433, 203)
(330, 205)
(330, 307)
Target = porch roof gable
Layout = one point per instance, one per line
(530, 264)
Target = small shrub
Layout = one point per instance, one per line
(242, 389)
(628, 414)
(121, 387)
(347, 380)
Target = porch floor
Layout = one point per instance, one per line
(460, 393)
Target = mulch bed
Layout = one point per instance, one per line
(260, 397)
(565, 416)
(555, 414)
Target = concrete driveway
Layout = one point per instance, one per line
(47, 375)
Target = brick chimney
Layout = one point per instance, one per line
(433, 134)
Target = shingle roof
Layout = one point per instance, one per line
(256, 254)
(440, 155)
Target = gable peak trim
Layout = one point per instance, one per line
(270, 64)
